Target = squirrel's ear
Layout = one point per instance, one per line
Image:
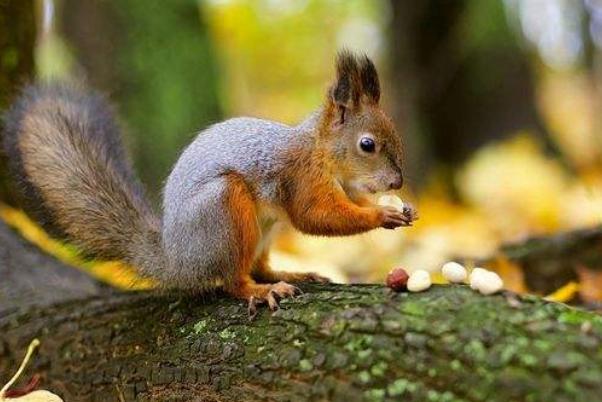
(370, 82)
(357, 81)
(346, 91)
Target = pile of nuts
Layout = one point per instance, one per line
(484, 281)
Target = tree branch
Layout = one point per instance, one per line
(334, 343)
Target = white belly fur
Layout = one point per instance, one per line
(269, 222)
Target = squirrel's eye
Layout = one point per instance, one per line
(367, 144)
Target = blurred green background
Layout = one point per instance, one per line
(498, 102)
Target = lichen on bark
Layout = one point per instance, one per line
(334, 343)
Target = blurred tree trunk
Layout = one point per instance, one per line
(29, 277)
(334, 343)
(549, 262)
(155, 59)
(17, 40)
(461, 79)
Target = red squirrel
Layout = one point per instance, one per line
(226, 190)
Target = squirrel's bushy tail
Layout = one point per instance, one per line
(64, 146)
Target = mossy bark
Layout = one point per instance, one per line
(333, 343)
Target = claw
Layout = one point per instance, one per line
(252, 308)
(273, 299)
(270, 294)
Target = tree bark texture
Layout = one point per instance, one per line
(333, 343)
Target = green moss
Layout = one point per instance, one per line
(379, 369)
(200, 327)
(358, 343)
(573, 317)
(305, 365)
(528, 360)
(228, 333)
(364, 354)
(398, 387)
(415, 308)
(475, 350)
(375, 394)
(456, 365)
(364, 376)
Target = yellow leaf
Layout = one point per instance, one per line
(565, 293)
(115, 273)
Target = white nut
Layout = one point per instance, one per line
(486, 282)
(492, 284)
(479, 270)
(474, 274)
(389, 200)
(419, 280)
(454, 272)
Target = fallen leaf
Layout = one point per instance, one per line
(31, 386)
(565, 293)
(35, 396)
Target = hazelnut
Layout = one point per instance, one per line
(397, 279)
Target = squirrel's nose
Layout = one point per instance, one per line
(397, 183)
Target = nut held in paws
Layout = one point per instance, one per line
(390, 201)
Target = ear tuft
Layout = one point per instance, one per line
(369, 77)
(346, 90)
(356, 78)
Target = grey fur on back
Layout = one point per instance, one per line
(64, 144)
(195, 222)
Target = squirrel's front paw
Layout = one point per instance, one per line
(393, 218)
(410, 212)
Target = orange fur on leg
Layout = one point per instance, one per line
(245, 235)
(264, 273)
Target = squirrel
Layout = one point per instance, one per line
(226, 191)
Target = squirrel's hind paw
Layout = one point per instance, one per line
(270, 295)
